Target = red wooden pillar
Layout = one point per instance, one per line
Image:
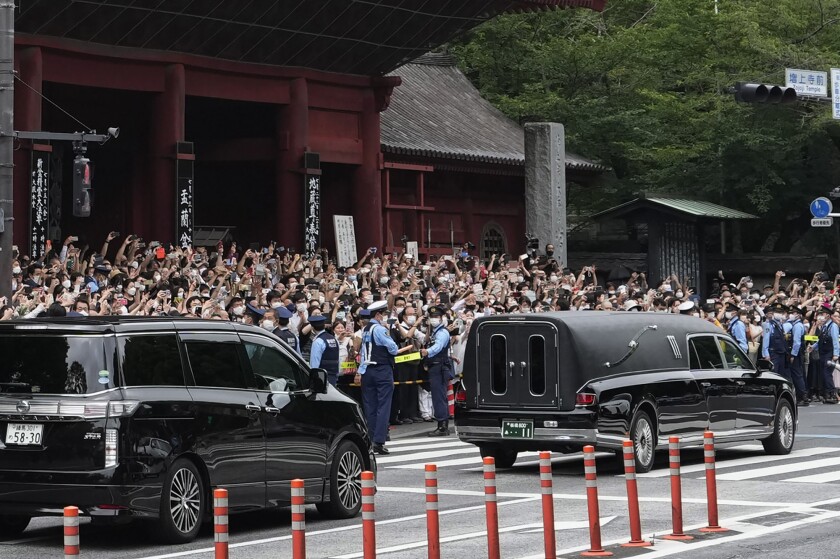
(155, 219)
(30, 64)
(292, 142)
(367, 192)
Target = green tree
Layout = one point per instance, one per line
(645, 87)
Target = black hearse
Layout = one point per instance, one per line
(559, 381)
(141, 418)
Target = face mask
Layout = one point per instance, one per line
(410, 320)
(351, 279)
(697, 314)
(749, 285)
(83, 313)
(301, 307)
(276, 304)
(238, 311)
(552, 278)
(383, 280)
(340, 315)
(728, 315)
(434, 322)
(368, 299)
(66, 284)
(156, 277)
(131, 291)
(399, 309)
(267, 325)
(526, 309)
(321, 299)
(16, 270)
(768, 293)
(520, 279)
(549, 253)
(679, 294)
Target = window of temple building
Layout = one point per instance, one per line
(493, 240)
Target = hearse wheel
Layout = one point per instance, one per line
(183, 502)
(11, 526)
(784, 430)
(504, 458)
(643, 435)
(345, 483)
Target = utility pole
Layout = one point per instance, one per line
(7, 124)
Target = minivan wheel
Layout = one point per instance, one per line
(11, 526)
(784, 430)
(643, 435)
(345, 483)
(183, 502)
(504, 458)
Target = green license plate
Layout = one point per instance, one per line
(517, 429)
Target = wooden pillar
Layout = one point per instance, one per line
(155, 219)
(367, 192)
(292, 142)
(27, 118)
(470, 234)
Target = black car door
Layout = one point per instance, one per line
(229, 430)
(756, 394)
(719, 388)
(294, 421)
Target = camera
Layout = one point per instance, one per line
(532, 244)
(469, 245)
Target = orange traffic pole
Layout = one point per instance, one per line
(71, 533)
(490, 506)
(711, 483)
(298, 520)
(547, 505)
(432, 521)
(595, 549)
(368, 516)
(220, 523)
(676, 491)
(632, 497)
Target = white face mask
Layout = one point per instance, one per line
(276, 305)
(16, 270)
(749, 285)
(679, 294)
(410, 320)
(553, 278)
(83, 313)
(131, 291)
(238, 311)
(267, 325)
(728, 315)
(368, 299)
(434, 322)
(156, 277)
(66, 284)
(383, 280)
(697, 314)
(301, 307)
(520, 279)
(321, 299)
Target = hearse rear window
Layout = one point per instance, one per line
(536, 364)
(498, 364)
(55, 365)
(151, 361)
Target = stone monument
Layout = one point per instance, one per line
(545, 186)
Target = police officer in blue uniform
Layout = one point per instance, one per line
(795, 344)
(376, 372)
(439, 366)
(283, 332)
(324, 352)
(736, 327)
(829, 351)
(774, 345)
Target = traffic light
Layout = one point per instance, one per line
(764, 93)
(81, 186)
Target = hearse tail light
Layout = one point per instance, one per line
(461, 396)
(111, 456)
(585, 399)
(97, 410)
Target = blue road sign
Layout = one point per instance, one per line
(821, 207)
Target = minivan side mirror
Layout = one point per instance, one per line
(763, 365)
(318, 381)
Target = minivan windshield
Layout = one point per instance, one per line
(54, 365)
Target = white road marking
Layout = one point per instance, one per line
(763, 459)
(429, 446)
(418, 440)
(816, 478)
(782, 469)
(423, 455)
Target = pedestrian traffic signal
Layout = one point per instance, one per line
(81, 186)
(764, 93)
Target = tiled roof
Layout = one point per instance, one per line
(438, 113)
(692, 208)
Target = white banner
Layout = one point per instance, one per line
(412, 249)
(835, 92)
(345, 240)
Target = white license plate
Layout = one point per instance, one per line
(24, 433)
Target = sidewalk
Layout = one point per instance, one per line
(416, 430)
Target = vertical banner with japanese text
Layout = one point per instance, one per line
(312, 215)
(39, 201)
(185, 187)
(835, 93)
(345, 240)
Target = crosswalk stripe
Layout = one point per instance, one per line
(423, 455)
(430, 445)
(816, 478)
(441, 464)
(406, 441)
(763, 459)
(782, 469)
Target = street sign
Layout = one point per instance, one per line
(807, 82)
(835, 92)
(821, 207)
(822, 222)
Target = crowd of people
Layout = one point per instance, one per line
(791, 322)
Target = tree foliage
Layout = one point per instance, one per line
(645, 88)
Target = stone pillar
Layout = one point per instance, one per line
(293, 138)
(545, 186)
(27, 118)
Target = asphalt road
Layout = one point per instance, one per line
(774, 507)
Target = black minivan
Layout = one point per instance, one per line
(130, 417)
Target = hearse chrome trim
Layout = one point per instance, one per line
(675, 347)
(540, 434)
(632, 345)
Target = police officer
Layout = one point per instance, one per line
(774, 345)
(795, 345)
(436, 354)
(283, 332)
(737, 327)
(324, 352)
(376, 374)
(829, 351)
